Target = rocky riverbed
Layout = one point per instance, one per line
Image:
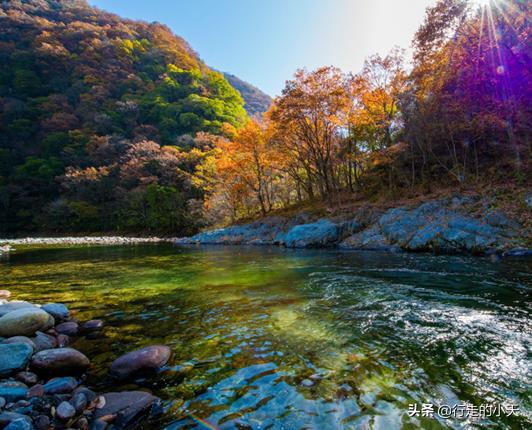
(447, 226)
(42, 379)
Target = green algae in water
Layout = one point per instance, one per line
(283, 339)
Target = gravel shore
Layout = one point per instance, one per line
(86, 240)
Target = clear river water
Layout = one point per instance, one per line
(268, 338)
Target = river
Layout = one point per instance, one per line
(267, 338)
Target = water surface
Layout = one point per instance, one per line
(266, 338)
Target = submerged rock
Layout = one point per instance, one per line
(14, 357)
(25, 322)
(127, 406)
(140, 361)
(92, 325)
(60, 361)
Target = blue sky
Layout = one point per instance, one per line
(264, 42)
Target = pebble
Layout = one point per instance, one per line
(79, 401)
(65, 411)
(41, 422)
(44, 341)
(62, 385)
(14, 306)
(20, 424)
(36, 391)
(58, 310)
(28, 378)
(60, 361)
(126, 406)
(82, 424)
(13, 390)
(19, 339)
(307, 383)
(62, 340)
(15, 421)
(14, 357)
(70, 328)
(25, 322)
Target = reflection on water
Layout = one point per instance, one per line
(278, 339)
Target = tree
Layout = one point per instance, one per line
(311, 112)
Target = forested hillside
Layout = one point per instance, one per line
(99, 121)
(109, 124)
(257, 102)
(460, 119)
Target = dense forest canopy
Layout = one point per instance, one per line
(99, 117)
(116, 125)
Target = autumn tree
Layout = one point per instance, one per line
(311, 113)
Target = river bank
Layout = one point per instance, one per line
(43, 380)
(454, 225)
(82, 240)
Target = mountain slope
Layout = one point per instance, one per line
(80, 89)
(257, 102)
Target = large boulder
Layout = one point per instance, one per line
(314, 235)
(59, 361)
(127, 406)
(25, 322)
(14, 357)
(140, 362)
(369, 239)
